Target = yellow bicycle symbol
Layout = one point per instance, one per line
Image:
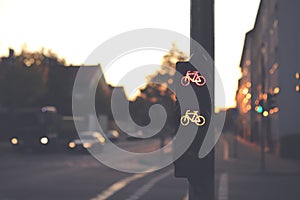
(189, 116)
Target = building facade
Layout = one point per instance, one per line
(270, 78)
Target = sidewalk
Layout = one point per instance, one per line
(280, 181)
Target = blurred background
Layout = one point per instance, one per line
(43, 44)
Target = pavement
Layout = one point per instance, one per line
(280, 180)
(64, 176)
(72, 176)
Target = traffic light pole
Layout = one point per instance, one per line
(262, 118)
(202, 31)
(262, 143)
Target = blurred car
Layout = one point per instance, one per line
(113, 135)
(92, 140)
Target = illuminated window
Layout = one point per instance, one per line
(297, 75)
(265, 96)
(248, 107)
(248, 84)
(273, 68)
(245, 91)
(248, 62)
(297, 88)
(275, 110)
(245, 72)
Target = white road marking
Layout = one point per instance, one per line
(186, 197)
(145, 188)
(223, 187)
(226, 150)
(118, 186)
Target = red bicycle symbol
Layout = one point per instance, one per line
(193, 77)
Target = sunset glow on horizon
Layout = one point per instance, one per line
(73, 29)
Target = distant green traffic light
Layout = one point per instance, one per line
(259, 109)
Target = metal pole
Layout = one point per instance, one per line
(202, 31)
(262, 145)
(261, 118)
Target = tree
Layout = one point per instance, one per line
(167, 69)
(22, 80)
(156, 90)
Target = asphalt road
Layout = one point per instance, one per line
(74, 176)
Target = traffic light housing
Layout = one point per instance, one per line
(265, 106)
(189, 165)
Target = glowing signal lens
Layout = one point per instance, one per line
(265, 113)
(259, 109)
(276, 90)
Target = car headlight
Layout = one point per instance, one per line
(116, 134)
(87, 145)
(72, 145)
(14, 141)
(102, 140)
(44, 140)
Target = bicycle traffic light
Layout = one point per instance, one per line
(266, 106)
(188, 117)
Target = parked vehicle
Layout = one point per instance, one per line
(113, 135)
(92, 140)
(33, 128)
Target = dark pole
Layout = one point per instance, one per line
(202, 31)
(262, 119)
(202, 24)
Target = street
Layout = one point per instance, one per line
(81, 177)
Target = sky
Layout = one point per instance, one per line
(73, 29)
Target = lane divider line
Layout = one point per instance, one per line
(186, 197)
(226, 150)
(145, 188)
(223, 187)
(118, 186)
